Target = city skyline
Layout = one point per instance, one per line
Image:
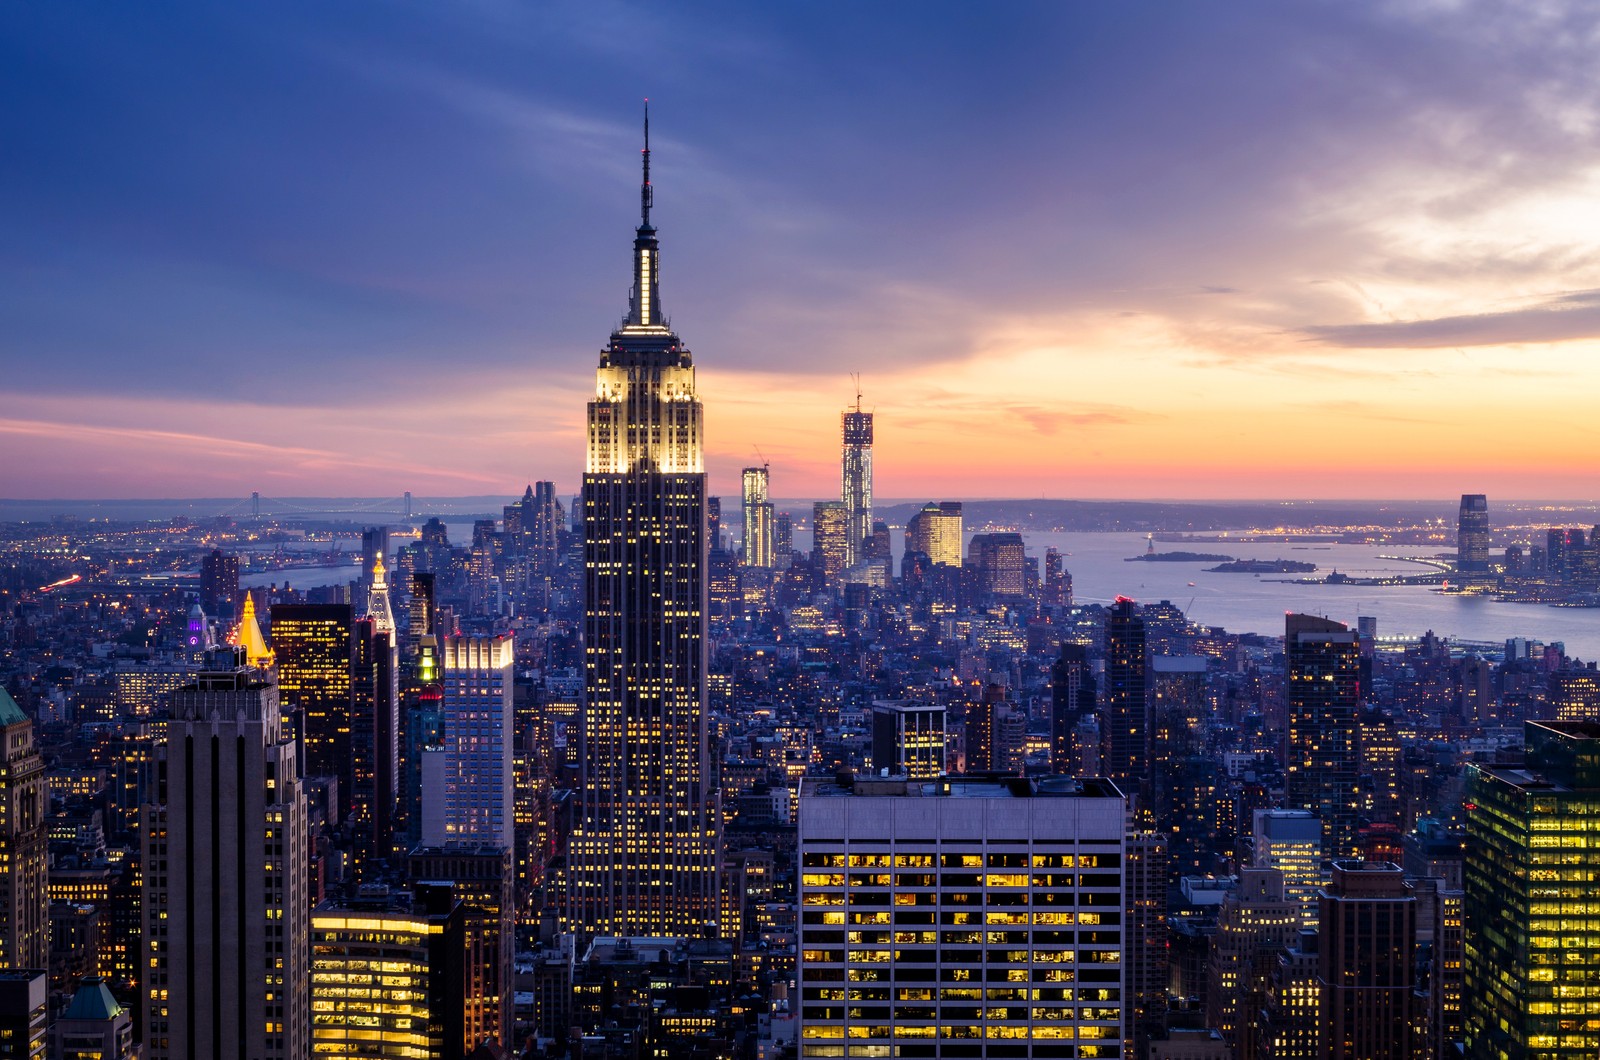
(1249, 253)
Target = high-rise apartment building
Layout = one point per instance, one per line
(1125, 708)
(1532, 899)
(642, 858)
(466, 779)
(758, 533)
(936, 532)
(24, 869)
(855, 480)
(313, 646)
(830, 539)
(1367, 962)
(219, 583)
(1002, 561)
(225, 873)
(1572, 693)
(964, 917)
(1322, 753)
(1472, 534)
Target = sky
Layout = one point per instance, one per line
(1077, 250)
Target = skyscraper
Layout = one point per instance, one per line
(855, 479)
(312, 643)
(24, 874)
(643, 853)
(1532, 901)
(1322, 759)
(1472, 534)
(1367, 964)
(830, 539)
(1072, 699)
(219, 583)
(935, 531)
(466, 780)
(375, 727)
(760, 522)
(224, 861)
(1125, 708)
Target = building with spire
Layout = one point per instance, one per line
(855, 480)
(24, 872)
(374, 726)
(643, 852)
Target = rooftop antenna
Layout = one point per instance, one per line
(645, 199)
(856, 376)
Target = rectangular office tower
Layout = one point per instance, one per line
(466, 779)
(908, 739)
(758, 532)
(964, 917)
(1532, 901)
(313, 646)
(1366, 968)
(1323, 750)
(1472, 534)
(642, 857)
(225, 869)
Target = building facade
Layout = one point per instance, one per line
(1323, 743)
(855, 481)
(965, 917)
(24, 869)
(642, 857)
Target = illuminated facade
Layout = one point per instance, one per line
(936, 532)
(1532, 899)
(963, 917)
(1291, 842)
(312, 644)
(225, 871)
(908, 739)
(1255, 920)
(855, 481)
(386, 979)
(830, 539)
(480, 876)
(759, 533)
(1322, 758)
(467, 794)
(24, 871)
(642, 857)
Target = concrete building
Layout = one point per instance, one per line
(964, 917)
(24, 872)
(1367, 963)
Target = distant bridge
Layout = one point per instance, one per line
(255, 505)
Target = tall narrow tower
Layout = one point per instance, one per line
(24, 808)
(856, 480)
(643, 853)
(1322, 752)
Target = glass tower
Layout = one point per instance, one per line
(855, 480)
(1323, 745)
(1532, 902)
(643, 854)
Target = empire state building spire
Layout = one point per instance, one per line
(644, 302)
(642, 859)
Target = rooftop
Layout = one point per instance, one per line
(975, 786)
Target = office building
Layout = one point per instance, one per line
(1254, 924)
(1572, 693)
(1322, 753)
(1057, 581)
(642, 857)
(388, 977)
(466, 779)
(963, 917)
(1472, 534)
(936, 532)
(1002, 564)
(24, 1013)
(1532, 899)
(1073, 700)
(480, 877)
(1125, 708)
(225, 875)
(1146, 938)
(1367, 962)
(93, 1026)
(758, 534)
(313, 646)
(24, 869)
(830, 540)
(855, 481)
(908, 739)
(1291, 842)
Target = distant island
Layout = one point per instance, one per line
(1263, 566)
(1180, 557)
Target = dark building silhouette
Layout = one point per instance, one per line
(219, 583)
(1322, 753)
(1125, 707)
(313, 644)
(1002, 563)
(1072, 699)
(1472, 534)
(1366, 967)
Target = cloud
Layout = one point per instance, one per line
(1572, 316)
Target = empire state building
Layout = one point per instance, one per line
(642, 858)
